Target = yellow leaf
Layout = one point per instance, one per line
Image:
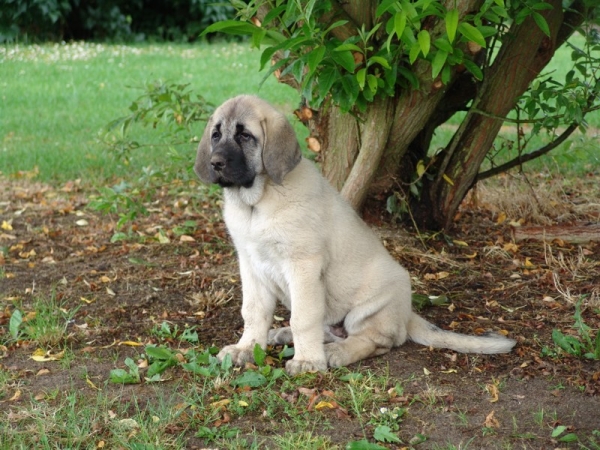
(491, 421)
(323, 404)
(474, 255)
(450, 371)
(425, 371)
(493, 391)
(100, 444)
(91, 384)
(83, 299)
(6, 226)
(442, 275)
(461, 243)
(242, 403)
(510, 247)
(131, 343)
(105, 279)
(40, 356)
(528, 263)
(501, 218)
(420, 168)
(16, 396)
(448, 180)
(220, 403)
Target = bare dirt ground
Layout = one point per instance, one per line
(53, 245)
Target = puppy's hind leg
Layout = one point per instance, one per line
(371, 332)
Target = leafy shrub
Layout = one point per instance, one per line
(52, 20)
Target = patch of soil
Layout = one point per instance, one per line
(120, 293)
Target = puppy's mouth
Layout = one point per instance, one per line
(226, 180)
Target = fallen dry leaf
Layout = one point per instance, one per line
(41, 356)
(493, 391)
(15, 396)
(491, 421)
(324, 405)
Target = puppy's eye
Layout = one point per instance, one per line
(245, 136)
(216, 136)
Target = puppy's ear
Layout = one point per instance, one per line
(202, 165)
(281, 152)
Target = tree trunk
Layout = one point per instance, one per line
(517, 64)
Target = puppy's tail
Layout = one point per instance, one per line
(425, 333)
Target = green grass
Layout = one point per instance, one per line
(55, 99)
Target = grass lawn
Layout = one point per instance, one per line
(56, 99)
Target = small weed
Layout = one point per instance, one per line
(46, 325)
(584, 345)
(558, 433)
(212, 434)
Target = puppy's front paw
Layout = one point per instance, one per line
(280, 336)
(239, 355)
(295, 367)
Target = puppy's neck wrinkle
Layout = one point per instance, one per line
(250, 196)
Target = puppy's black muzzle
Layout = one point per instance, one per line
(229, 166)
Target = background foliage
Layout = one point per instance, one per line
(135, 20)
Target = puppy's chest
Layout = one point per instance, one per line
(266, 246)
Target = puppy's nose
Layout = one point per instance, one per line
(218, 162)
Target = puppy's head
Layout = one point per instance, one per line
(245, 137)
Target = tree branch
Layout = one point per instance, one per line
(522, 159)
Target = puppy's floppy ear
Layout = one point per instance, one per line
(281, 152)
(202, 165)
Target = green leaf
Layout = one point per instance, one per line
(424, 40)
(344, 59)
(471, 33)
(451, 21)
(347, 46)
(122, 376)
(384, 7)
(361, 77)
(443, 44)
(363, 445)
(379, 60)
(541, 22)
(570, 437)
(272, 15)
(16, 319)
(384, 434)
(413, 54)
(336, 24)
(194, 367)
(558, 431)
(314, 58)
(250, 379)
(372, 82)
(160, 353)
(327, 77)
(399, 23)
(438, 62)
(234, 27)
(474, 69)
(259, 355)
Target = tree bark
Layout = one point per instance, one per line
(513, 69)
